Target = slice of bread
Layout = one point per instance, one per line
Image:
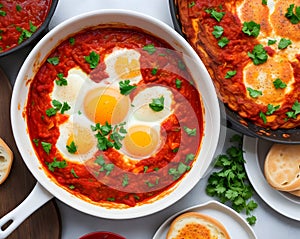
(6, 159)
(193, 225)
(282, 167)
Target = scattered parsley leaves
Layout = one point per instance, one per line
(150, 48)
(223, 42)
(271, 42)
(284, 43)
(72, 148)
(264, 2)
(61, 80)
(177, 172)
(293, 16)
(191, 4)
(254, 93)
(53, 60)
(230, 74)
(125, 180)
(251, 28)
(190, 132)
(46, 146)
(74, 173)
(125, 87)
(279, 84)
(108, 167)
(56, 164)
(214, 14)
(157, 104)
(178, 83)
(295, 110)
(218, 31)
(258, 55)
(93, 59)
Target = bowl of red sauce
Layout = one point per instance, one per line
(102, 235)
(114, 114)
(22, 23)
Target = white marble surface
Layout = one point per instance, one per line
(270, 224)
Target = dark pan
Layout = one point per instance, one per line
(42, 30)
(233, 120)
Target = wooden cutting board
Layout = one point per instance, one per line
(45, 222)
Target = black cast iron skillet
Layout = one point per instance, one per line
(36, 36)
(232, 119)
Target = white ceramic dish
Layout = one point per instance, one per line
(236, 226)
(199, 73)
(255, 151)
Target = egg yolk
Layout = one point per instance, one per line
(127, 69)
(141, 141)
(106, 105)
(83, 139)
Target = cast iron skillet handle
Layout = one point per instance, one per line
(38, 197)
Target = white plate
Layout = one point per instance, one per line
(236, 226)
(255, 151)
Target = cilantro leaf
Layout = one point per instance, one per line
(254, 93)
(157, 104)
(72, 148)
(93, 59)
(271, 42)
(230, 74)
(56, 164)
(53, 60)
(125, 87)
(218, 31)
(190, 132)
(293, 17)
(46, 146)
(264, 2)
(223, 42)
(284, 43)
(214, 14)
(178, 83)
(191, 4)
(150, 48)
(258, 55)
(61, 80)
(251, 28)
(272, 109)
(278, 83)
(295, 110)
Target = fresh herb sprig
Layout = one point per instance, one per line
(230, 184)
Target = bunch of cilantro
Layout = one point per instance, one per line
(229, 182)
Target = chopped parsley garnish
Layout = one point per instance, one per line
(125, 180)
(271, 42)
(293, 15)
(111, 199)
(56, 164)
(109, 137)
(25, 34)
(61, 80)
(125, 87)
(157, 104)
(295, 110)
(190, 132)
(258, 55)
(32, 27)
(230, 183)
(72, 148)
(251, 28)
(230, 74)
(58, 106)
(223, 42)
(93, 59)
(177, 172)
(53, 60)
(108, 167)
(218, 31)
(264, 2)
(154, 71)
(191, 4)
(189, 157)
(36, 142)
(2, 13)
(18, 8)
(279, 84)
(150, 48)
(263, 117)
(214, 14)
(178, 83)
(72, 40)
(146, 168)
(284, 43)
(272, 109)
(46, 146)
(254, 93)
(74, 173)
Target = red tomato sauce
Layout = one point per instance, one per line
(140, 181)
(19, 19)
